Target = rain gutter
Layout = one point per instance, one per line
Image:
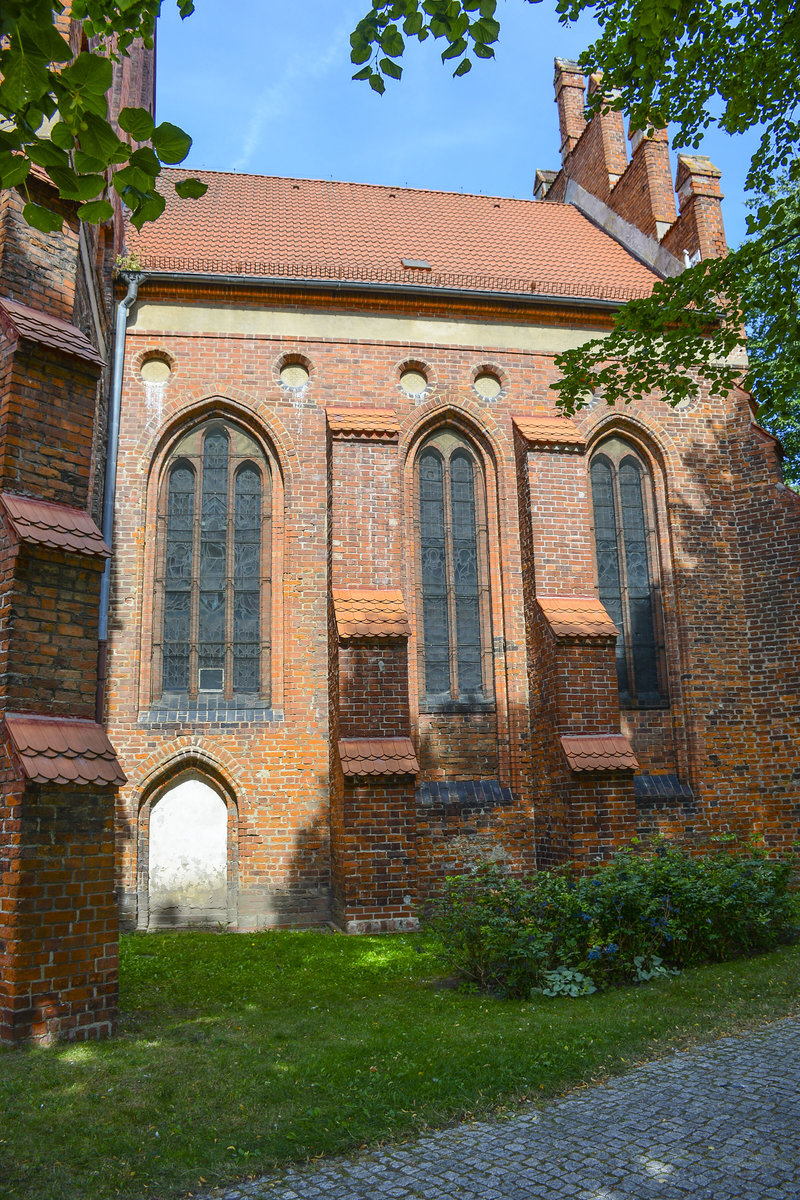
(133, 280)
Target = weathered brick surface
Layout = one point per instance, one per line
(58, 912)
(58, 917)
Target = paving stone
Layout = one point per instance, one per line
(721, 1122)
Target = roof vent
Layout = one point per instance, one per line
(419, 264)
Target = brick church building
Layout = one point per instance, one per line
(378, 612)
(391, 611)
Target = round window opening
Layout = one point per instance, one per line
(487, 385)
(155, 370)
(294, 375)
(413, 382)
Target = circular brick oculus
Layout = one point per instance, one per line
(294, 375)
(487, 384)
(413, 382)
(155, 370)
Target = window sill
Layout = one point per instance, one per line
(474, 704)
(209, 710)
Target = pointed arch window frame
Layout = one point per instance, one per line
(448, 444)
(634, 548)
(238, 594)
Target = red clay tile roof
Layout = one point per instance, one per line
(374, 424)
(578, 618)
(63, 750)
(53, 525)
(378, 756)
(551, 433)
(599, 752)
(25, 322)
(370, 613)
(315, 229)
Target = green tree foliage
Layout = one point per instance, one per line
(54, 111)
(772, 314)
(690, 63)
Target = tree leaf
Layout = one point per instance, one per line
(191, 189)
(150, 210)
(146, 159)
(462, 68)
(170, 142)
(390, 68)
(137, 122)
(377, 84)
(72, 186)
(43, 219)
(48, 41)
(90, 74)
(14, 168)
(61, 135)
(96, 211)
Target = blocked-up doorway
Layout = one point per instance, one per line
(188, 861)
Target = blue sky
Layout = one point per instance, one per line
(265, 88)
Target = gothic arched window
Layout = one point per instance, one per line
(212, 601)
(455, 649)
(627, 568)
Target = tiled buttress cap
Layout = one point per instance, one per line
(55, 525)
(268, 227)
(599, 752)
(372, 424)
(63, 750)
(551, 433)
(20, 320)
(378, 756)
(370, 613)
(578, 618)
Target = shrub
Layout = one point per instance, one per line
(633, 918)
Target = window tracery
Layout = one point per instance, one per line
(453, 590)
(627, 568)
(211, 618)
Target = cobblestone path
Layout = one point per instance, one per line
(721, 1122)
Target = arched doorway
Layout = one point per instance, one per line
(188, 859)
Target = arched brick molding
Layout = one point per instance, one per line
(183, 766)
(272, 441)
(482, 431)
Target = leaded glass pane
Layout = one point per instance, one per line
(465, 573)
(434, 574)
(213, 553)
(608, 566)
(642, 632)
(247, 580)
(178, 578)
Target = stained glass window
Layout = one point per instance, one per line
(212, 585)
(624, 530)
(455, 647)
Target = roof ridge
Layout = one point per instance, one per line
(386, 187)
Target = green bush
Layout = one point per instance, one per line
(634, 918)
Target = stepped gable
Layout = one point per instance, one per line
(303, 229)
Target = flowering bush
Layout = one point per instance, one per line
(634, 918)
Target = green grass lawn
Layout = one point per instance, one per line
(239, 1052)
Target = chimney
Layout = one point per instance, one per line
(612, 134)
(699, 229)
(650, 166)
(570, 98)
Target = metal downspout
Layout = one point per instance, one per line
(133, 279)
